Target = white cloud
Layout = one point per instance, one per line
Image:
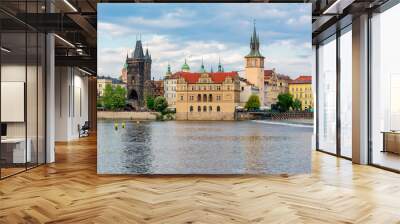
(288, 56)
(299, 21)
(112, 29)
(175, 19)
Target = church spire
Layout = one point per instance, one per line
(185, 67)
(147, 56)
(168, 70)
(254, 44)
(219, 65)
(138, 53)
(202, 69)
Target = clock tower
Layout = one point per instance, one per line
(255, 65)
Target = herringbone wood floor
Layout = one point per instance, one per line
(70, 191)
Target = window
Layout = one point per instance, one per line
(218, 88)
(346, 93)
(327, 95)
(191, 108)
(204, 97)
(210, 97)
(198, 97)
(22, 73)
(385, 88)
(218, 109)
(242, 88)
(199, 109)
(181, 98)
(204, 108)
(210, 109)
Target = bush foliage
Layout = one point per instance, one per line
(253, 103)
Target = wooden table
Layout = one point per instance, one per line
(391, 141)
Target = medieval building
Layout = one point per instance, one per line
(254, 65)
(138, 72)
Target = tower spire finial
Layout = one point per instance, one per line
(219, 64)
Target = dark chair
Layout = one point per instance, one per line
(84, 130)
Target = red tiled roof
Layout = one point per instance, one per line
(216, 77)
(303, 79)
(267, 73)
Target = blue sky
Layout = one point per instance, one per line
(173, 32)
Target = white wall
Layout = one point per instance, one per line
(71, 102)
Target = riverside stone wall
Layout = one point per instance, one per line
(127, 115)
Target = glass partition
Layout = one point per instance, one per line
(385, 89)
(22, 77)
(327, 95)
(13, 94)
(346, 92)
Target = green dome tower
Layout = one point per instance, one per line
(185, 67)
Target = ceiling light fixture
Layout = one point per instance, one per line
(64, 40)
(70, 5)
(5, 50)
(84, 71)
(337, 7)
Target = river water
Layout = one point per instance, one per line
(219, 147)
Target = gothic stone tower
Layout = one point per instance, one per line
(138, 72)
(255, 65)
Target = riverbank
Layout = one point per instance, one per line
(292, 123)
(127, 115)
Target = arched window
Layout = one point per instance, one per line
(199, 109)
(218, 109)
(204, 97)
(199, 97)
(210, 97)
(191, 108)
(210, 109)
(204, 108)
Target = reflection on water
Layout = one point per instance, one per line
(203, 148)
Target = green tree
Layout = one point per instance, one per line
(253, 103)
(150, 102)
(114, 98)
(296, 105)
(119, 98)
(108, 97)
(160, 104)
(285, 102)
(99, 102)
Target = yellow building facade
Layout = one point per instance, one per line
(207, 96)
(301, 89)
(103, 81)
